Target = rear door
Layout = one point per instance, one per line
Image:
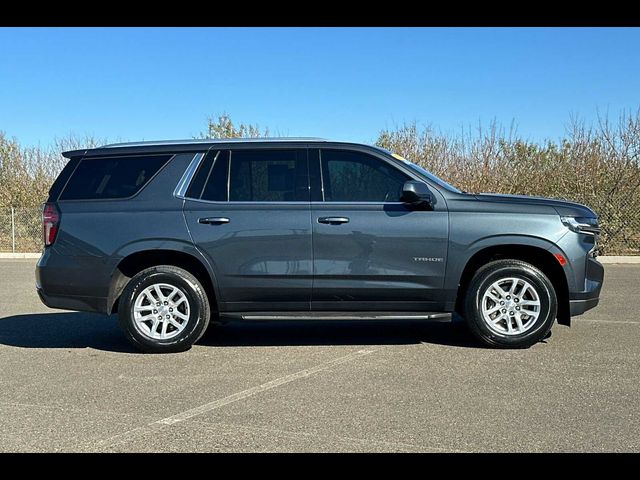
(371, 251)
(248, 211)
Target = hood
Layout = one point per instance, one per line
(563, 207)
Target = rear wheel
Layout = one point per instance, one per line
(163, 309)
(510, 304)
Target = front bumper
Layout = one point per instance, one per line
(578, 307)
(580, 302)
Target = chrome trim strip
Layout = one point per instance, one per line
(238, 202)
(320, 316)
(184, 182)
(321, 175)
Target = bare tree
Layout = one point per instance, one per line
(223, 127)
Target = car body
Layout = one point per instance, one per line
(300, 228)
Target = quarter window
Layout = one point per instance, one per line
(111, 178)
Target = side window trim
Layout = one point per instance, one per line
(321, 175)
(187, 177)
(229, 176)
(352, 202)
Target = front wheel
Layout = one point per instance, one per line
(163, 309)
(510, 304)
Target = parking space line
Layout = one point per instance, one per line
(607, 321)
(207, 407)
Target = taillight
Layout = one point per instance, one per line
(50, 222)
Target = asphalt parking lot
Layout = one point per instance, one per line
(71, 382)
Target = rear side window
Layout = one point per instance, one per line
(109, 178)
(215, 188)
(268, 176)
(252, 176)
(210, 181)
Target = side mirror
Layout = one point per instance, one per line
(417, 193)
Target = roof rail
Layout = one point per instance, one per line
(215, 140)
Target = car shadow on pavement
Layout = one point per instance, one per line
(322, 332)
(87, 330)
(64, 330)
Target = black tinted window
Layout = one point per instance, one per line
(210, 180)
(197, 184)
(119, 177)
(357, 177)
(216, 184)
(268, 176)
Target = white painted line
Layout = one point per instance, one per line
(606, 259)
(9, 255)
(207, 407)
(580, 320)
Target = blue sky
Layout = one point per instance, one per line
(346, 84)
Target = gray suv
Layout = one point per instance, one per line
(173, 236)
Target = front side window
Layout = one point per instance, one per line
(112, 178)
(357, 177)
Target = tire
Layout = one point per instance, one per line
(188, 308)
(512, 324)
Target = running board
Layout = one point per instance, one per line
(434, 316)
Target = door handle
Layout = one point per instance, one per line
(214, 220)
(333, 220)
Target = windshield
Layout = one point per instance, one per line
(431, 176)
(423, 172)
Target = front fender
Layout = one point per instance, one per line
(460, 255)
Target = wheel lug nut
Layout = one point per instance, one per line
(158, 304)
(171, 309)
(168, 317)
(502, 302)
(510, 313)
(504, 310)
(516, 299)
(159, 317)
(155, 311)
(517, 308)
(166, 303)
(508, 297)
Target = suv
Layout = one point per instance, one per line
(174, 235)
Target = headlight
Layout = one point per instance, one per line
(588, 225)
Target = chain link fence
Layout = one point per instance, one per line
(620, 222)
(21, 228)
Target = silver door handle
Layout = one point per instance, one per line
(214, 220)
(333, 220)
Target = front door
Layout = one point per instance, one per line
(371, 251)
(248, 211)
